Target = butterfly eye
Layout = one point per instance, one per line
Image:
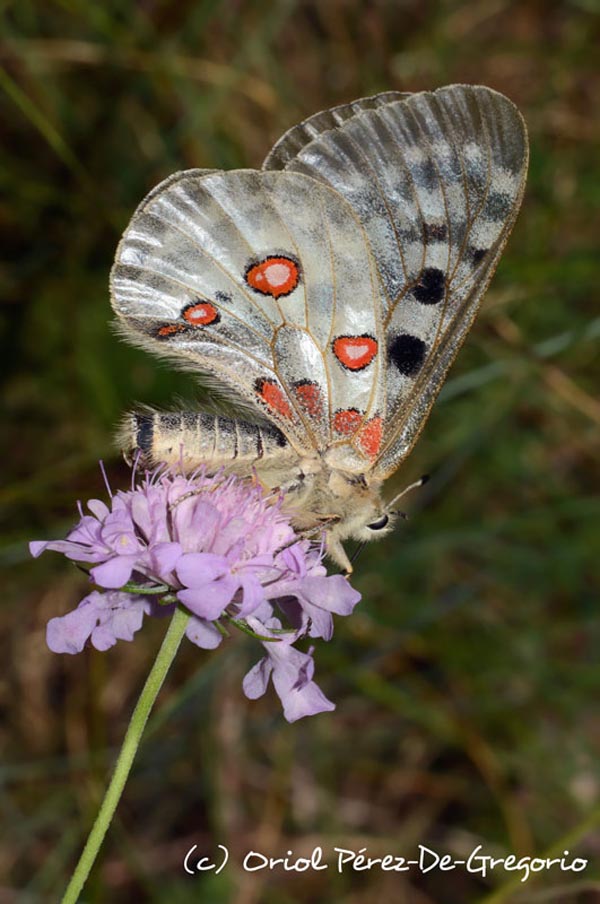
(379, 524)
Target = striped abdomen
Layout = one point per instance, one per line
(192, 438)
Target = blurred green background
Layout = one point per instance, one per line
(467, 682)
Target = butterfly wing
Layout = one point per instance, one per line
(436, 179)
(291, 142)
(264, 282)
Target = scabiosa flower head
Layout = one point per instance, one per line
(223, 549)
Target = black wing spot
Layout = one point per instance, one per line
(477, 254)
(407, 353)
(276, 435)
(431, 287)
(435, 232)
(498, 206)
(425, 175)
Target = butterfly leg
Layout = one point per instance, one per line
(336, 551)
(333, 547)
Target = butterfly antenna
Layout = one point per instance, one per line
(412, 486)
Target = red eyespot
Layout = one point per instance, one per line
(355, 352)
(169, 329)
(347, 421)
(274, 276)
(370, 436)
(310, 397)
(201, 313)
(271, 393)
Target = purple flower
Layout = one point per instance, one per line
(220, 547)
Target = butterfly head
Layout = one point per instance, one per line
(346, 507)
(361, 517)
(362, 514)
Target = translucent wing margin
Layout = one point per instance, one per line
(436, 179)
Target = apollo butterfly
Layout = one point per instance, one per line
(326, 294)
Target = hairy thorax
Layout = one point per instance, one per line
(342, 503)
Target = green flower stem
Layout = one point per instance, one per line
(153, 684)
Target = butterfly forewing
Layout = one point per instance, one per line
(264, 282)
(436, 179)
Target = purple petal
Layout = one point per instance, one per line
(263, 614)
(295, 613)
(98, 508)
(232, 532)
(294, 559)
(300, 697)
(164, 557)
(305, 671)
(74, 551)
(37, 547)
(210, 600)
(114, 573)
(87, 531)
(119, 623)
(149, 512)
(118, 533)
(262, 567)
(333, 593)
(321, 621)
(292, 680)
(203, 522)
(257, 679)
(195, 569)
(298, 703)
(68, 633)
(140, 513)
(252, 593)
(281, 533)
(203, 633)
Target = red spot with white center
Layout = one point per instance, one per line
(370, 436)
(347, 421)
(310, 398)
(274, 276)
(201, 313)
(355, 352)
(273, 396)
